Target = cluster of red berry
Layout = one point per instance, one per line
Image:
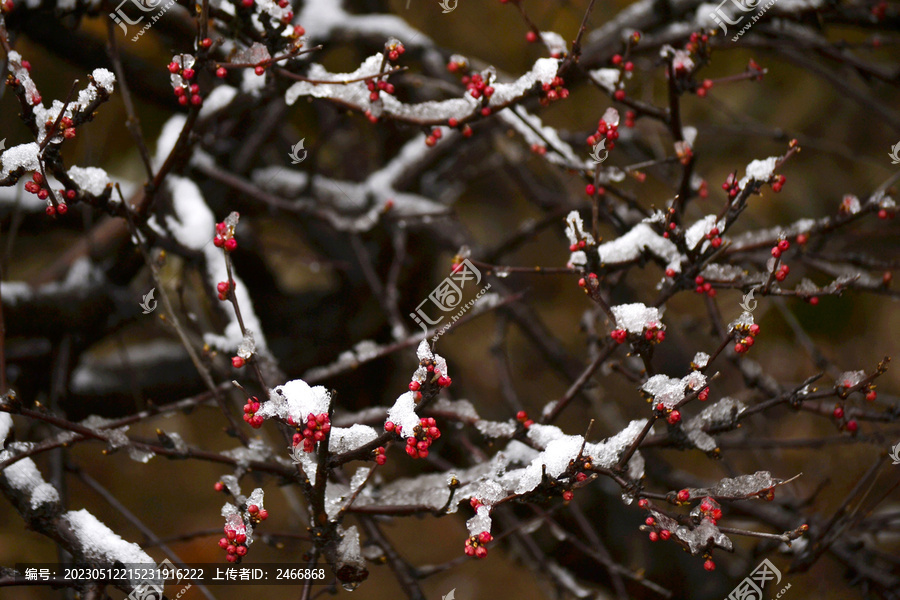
(704, 287)
(591, 280)
(185, 91)
(745, 341)
(380, 456)
(316, 428)
(394, 49)
(475, 545)
(554, 91)
(35, 186)
(423, 436)
(225, 237)
(851, 425)
(254, 420)
(778, 183)
(7, 6)
(223, 287)
(672, 416)
(66, 125)
(608, 130)
(697, 42)
(714, 238)
(522, 417)
(381, 86)
(731, 185)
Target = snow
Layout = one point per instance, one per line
(348, 551)
(669, 391)
(556, 44)
(641, 238)
(296, 399)
(24, 477)
(193, 226)
(403, 413)
(575, 229)
(480, 522)
(218, 99)
(607, 78)
(607, 453)
(23, 156)
(556, 458)
(698, 231)
(167, 138)
(346, 439)
(636, 317)
(6, 425)
(357, 94)
(528, 126)
(759, 170)
(82, 277)
(100, 544)
(701, 359)
(851, 377)
(92, 179)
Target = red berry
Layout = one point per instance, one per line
(196, 100)
(241, 550)
(617, 59)
(531, 37)
(414, 386)
(221, 72)
(223, 543)
(188, 73)
(802, 238)
(650, 521)
(263, 515)
(480, 552)
(589, 189)
(670, 273)
(870, 396)
(674, 417)
(838, 412)
(205, 43)
(709, 565)
(664, 534)
(629, 66)
(654, 536)
(63, 209)
(683, 496)
(754, 329)
(852, 426)
(231, 244)
(231, 549)
(783, 245)
(568, 495)
(174, 67)
(643, 503)
(231, 558)
(484, 537)
(814, 300)
(237, 362)
(776, 252)
(219, 486)
(619, 95)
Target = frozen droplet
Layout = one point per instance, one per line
(502, 273)
(350, 585)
